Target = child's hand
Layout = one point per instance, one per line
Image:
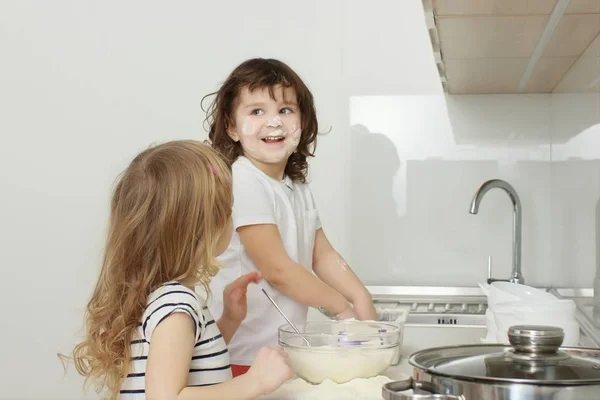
(235, 305)
(345, 315)
(348, 313)
(365, 311)
(271, 368)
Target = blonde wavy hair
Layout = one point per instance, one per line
(168, 210)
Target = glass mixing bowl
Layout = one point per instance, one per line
(340, 350)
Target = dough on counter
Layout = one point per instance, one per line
(356, 389)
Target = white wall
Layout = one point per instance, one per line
(418, 160)
(84, 86)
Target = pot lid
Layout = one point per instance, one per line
(534, 356)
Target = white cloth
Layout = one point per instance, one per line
(260, 199)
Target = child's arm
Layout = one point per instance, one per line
(332, 269)
(264, 246)
(169, 359)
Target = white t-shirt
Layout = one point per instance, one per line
(210, 359)
(260, 199)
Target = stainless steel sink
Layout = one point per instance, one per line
(434, 305)
(438, 316)
(442, 316)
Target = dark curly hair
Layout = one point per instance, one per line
(259, 73)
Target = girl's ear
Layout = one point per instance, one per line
(232, 133)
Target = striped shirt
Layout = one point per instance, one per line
(210, 360)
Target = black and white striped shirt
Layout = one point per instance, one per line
(210, 359)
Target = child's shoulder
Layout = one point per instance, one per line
(244, 166)
(175, 292)
(247, 175)
(169, 298)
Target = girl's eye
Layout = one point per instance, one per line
(257, 111)
(286, 110)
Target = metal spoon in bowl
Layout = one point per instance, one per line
(284, 316)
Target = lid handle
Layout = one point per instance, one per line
(535, 339)
(390, 391)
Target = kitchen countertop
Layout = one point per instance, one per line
(401, 371)
(297, 389)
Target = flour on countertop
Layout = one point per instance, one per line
(356, 389)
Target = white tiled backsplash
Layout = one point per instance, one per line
(416, 162)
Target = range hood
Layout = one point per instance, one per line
(515, 46)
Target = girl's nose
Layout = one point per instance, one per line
(275, 122)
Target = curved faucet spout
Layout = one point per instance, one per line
(516, 275)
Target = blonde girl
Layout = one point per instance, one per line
(148, 333)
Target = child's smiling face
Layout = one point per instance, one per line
(267, 128)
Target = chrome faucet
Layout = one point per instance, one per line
(516, 275)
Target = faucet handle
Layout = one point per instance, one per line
(491, 280)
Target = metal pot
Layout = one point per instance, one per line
(533, 367)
